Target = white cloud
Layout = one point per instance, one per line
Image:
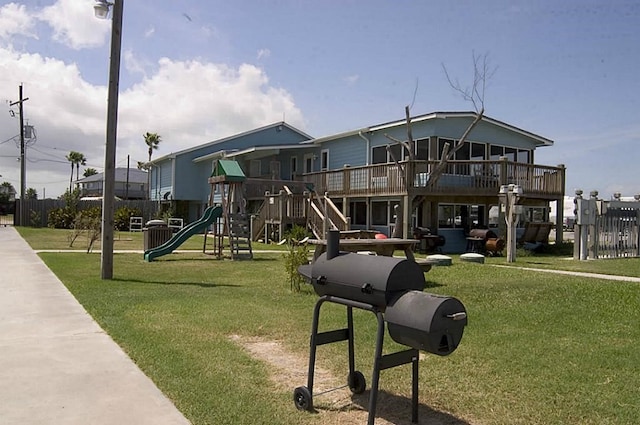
(14, 20)
(149, 32)
(192, 102)
(187, 102)
(74, 24)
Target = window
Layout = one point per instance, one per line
(422, 149)
(324, 160)
(274, 169)
(380, 213)
(460, 216)
(478, 151)
(255, 168)
(496, 152)
(395, 151)
(308, 163)
(524, 156)
(510, 153)
(294, 167)
(358, 212)
(379, 155)
(441, 143)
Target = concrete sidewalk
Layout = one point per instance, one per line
(57, 366)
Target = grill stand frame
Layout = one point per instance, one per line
(381, 362)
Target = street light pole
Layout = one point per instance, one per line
(108, 187)
(23, 162)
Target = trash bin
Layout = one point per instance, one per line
(156, 232)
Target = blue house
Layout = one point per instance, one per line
(180, 179)
(371, 181)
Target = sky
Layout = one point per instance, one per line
(194, 71)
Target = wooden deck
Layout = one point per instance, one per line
(460, 178)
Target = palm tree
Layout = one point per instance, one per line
(73, 158)
(82, 160)
(89, 172)
(31, 193)
(152, 140)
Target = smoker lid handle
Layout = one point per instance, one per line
(457, 316)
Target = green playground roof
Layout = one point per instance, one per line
(230, 169)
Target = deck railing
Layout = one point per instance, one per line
(256, 188)
(459, 177)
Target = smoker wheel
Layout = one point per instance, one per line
(302, 399)
(357, 383)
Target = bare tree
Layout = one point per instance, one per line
(482, 73)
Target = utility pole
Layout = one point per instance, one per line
(23, 165)
(108, 188)
(126, 188)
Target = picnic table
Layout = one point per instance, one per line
(379, 246)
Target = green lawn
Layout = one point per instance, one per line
(539, 348)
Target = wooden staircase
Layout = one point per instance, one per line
(324, 215)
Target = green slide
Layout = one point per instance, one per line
(209, 216)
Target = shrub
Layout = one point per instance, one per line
(297, 255)
(122, 216)
(90, 222)
(35, 218)
(61, 218)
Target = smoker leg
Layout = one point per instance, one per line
(352, 361)
(355, 380)
(303, 396)
(414, 389)
(313, 344)
(375, 379)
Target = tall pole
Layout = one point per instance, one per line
(126, 188)
(108, 189)
(23, 162)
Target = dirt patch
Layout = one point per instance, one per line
(336, 405)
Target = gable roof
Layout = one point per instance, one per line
(257, 151)
(135, 176)
(235, 136)
(229, 169)
(430, 116)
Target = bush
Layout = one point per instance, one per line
(34, 216)
(122, 216)
(297, 255)
(61, 218)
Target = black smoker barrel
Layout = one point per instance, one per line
(375, 280)
(428, 322)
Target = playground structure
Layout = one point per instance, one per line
(225, 214)
(210, 215)
(232, 226)
(606, 229)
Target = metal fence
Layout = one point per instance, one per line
(607, 229)
(36, 211)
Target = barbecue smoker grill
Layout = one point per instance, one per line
(484, 241)
(391, 288)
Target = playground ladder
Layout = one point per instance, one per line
(239, 236)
